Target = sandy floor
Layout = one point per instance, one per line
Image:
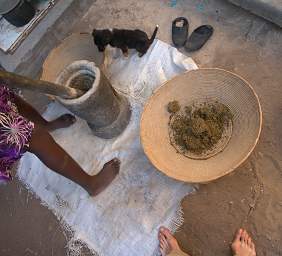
(251, 197)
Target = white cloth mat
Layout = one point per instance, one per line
(124, 219)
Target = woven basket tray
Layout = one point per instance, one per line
(201, 85)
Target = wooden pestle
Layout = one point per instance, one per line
(15, 81)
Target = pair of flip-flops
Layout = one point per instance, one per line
(195, 41)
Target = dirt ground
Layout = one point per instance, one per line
(250, 197)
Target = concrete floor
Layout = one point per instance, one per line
(270, 9)
(250, 197)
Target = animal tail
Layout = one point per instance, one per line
(154, 34)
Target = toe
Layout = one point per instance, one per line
(162, 230)
(238, 235)
(69, 117)
(249, 241)
(167, 233)
(162, 238)
(252, 245)
(162, 249)
(244, 236)
(72, 117)
(114, 162)
(162, 244)
(167, 243)
(164, 241)
(117, 164)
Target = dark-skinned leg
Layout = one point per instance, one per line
(31, 114)
(54, 157)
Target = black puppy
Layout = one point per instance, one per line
(124, 39)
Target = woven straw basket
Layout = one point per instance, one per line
(199, 86)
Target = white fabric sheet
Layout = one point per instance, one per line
(124, 219)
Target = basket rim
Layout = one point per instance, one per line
(52, 55)
(212, 177)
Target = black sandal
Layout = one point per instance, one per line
(198, 38)
(179, 31)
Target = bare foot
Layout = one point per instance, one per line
(167, 241)
(63, 121)
(243, 245)
(103, 179)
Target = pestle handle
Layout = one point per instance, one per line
(15, 81)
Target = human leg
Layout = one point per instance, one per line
(26, 110)
(57, 159)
